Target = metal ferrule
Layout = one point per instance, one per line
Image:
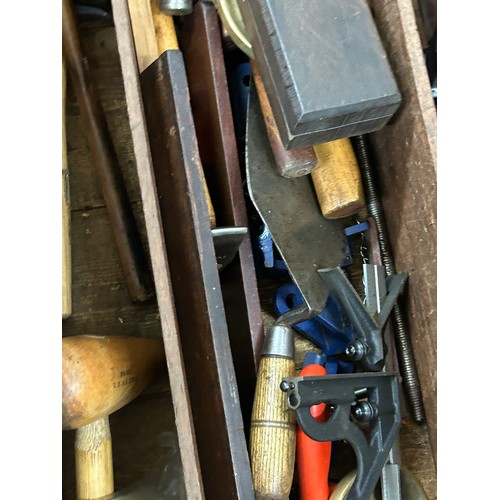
(279, 342)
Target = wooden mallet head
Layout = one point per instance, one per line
(101, 374)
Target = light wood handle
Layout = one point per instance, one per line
(272, 431)
(166, 36)
(154, 33)
(102, 374)
(290, 163)
(337, 180)
(94, 461)
(66, 214)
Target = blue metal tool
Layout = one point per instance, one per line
(330, 330)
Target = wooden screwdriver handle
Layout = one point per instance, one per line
(290, 163)
(337, 179)
(272, 427)
(66, 214)
(132, 255)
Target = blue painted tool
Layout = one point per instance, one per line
(330, 330)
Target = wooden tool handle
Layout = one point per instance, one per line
(290, 163)
(154, 33)
(102, 374)
(94, 461)
(337, 179)
(272, 431)
(132, 255)
(66, 214)
(166, 36)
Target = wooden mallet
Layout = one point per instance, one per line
(101, 374)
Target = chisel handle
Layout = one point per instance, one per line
(166, 39)
(273, 428)
(290, 163)
(337, 180)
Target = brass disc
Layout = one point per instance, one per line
(232, 20)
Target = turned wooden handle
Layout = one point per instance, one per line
(66, 214)
(94, 461)
(272, 431)
(337, 179)
(101, 374)
(290, 163)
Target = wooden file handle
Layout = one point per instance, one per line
(100, 375)
(154, 33)
(290, 163)
(272, 431)
(337, 179)
(132, 255)
(66, 214)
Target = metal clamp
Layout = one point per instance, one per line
(366, 398)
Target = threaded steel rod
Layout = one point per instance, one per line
(404, 348)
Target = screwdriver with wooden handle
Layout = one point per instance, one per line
(154, 33)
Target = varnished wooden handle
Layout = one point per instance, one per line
(154, 33)
(66, 215)
(94, 461)
(272, 431)
(290, 163)
(166, 36)
(337, 179)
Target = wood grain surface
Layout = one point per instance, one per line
(337, 180)
(272, 431)
(405, 152)
(66, 215)
(94, 461)
(160, 262)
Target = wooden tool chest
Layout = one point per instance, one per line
(212, 332)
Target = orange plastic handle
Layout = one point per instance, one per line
(313, 457)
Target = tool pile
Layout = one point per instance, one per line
(256, 119)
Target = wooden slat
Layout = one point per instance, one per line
(201, 45)
(173, 349)
(406, 156)
(195, 280)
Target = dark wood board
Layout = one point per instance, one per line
(405, 152)
(210, 374)
(201, 45)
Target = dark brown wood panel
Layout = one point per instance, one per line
(405, 152)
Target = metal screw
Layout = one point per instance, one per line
(364, 411)
(356, 350)
(404, 349)
(287, 386)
